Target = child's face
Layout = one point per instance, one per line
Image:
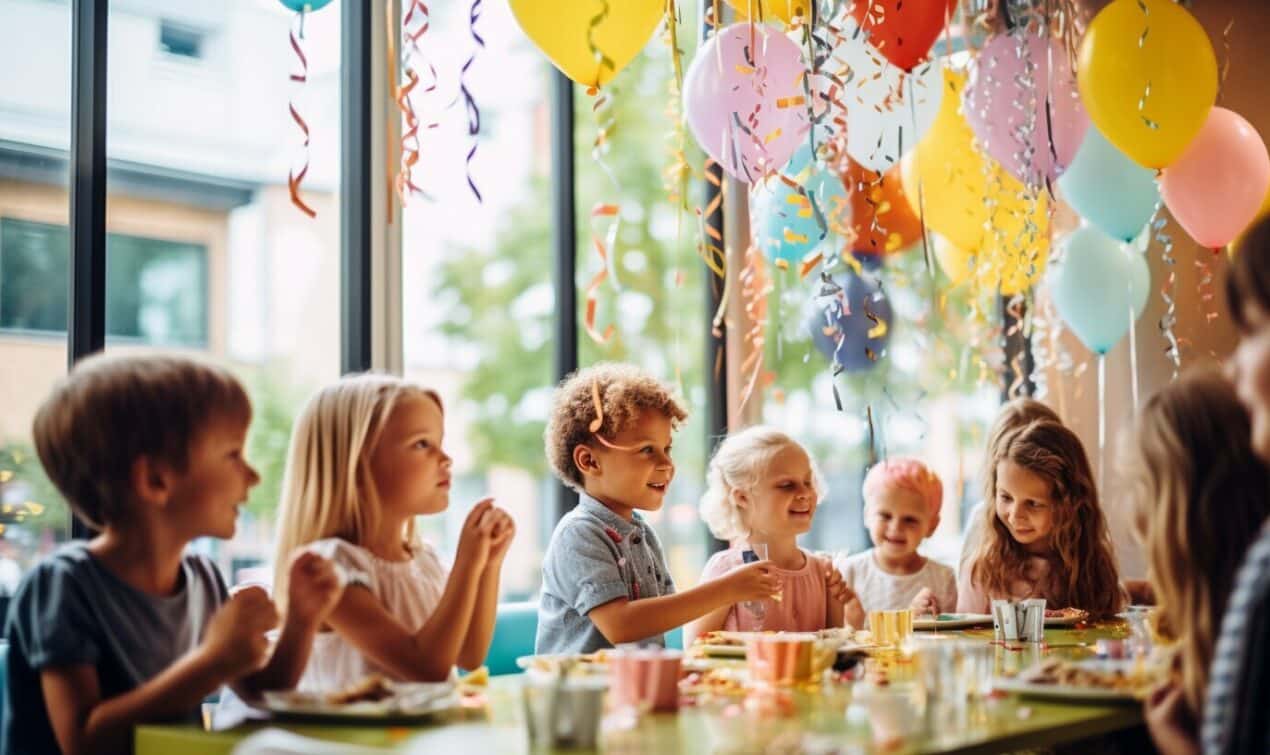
(783, 502)
(411, 472)
(637, 474)
(898, 521)
(216, 480)
(1025, 505)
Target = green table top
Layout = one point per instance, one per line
(823, 721)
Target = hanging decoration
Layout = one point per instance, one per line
(1099, 286)
(795, 212)
(569, 34)
(903, 31)
(1109, 190)
(295, 177)
(882, 219)
(850, 322)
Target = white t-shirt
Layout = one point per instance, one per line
(879, 590)
(409, 590)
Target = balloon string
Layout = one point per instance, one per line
(418, 15)
(592, 290)
(756, 287)
(1133, 349)
(1015, 309)
(1206, 287)
(469, 102)
(296, 178)
(675, 175)
(1169, 320)
(1102, 421)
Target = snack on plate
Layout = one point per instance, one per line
(369, 689)
(1135, 679)
(1077, 614)
(713, 681)
(580, 663)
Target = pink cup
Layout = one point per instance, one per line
(645, 678)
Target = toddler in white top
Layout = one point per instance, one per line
(902, 498)
(365, 460)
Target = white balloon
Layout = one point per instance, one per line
(888, 109)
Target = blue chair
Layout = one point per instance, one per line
(675, 638)
(515, 626)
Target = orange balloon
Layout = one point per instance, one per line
(897, 224)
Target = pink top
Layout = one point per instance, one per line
(804, 601)
(971, 598)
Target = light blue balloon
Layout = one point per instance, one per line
(1096, 284)
(1108, 189)
(784, 227)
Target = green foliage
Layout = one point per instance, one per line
(274, 406)
(30, 500)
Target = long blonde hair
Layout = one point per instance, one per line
(328, 489)
(1082, 568)
(1200, 495)
(739, 463)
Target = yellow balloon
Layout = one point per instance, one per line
(978, 206)
(562, 29)
(785, 10)
(957, 264)
(1175, 60)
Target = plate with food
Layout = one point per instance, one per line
(951, 621)
(726, 644)
(1065, 617)
(1092, 680)
(374, 698)
(577, 663)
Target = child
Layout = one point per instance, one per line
(129, 627)
(902, 499)
(1045, 535)
(1013, 415)
(764, 488)
(605, 579)
(365, 460)
(1200, 495)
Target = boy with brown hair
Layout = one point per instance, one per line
(605, 579)
(129, 627)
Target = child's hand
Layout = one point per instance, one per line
(504, 532)
(313, 588)
(837, 587)
(235, 639)
(925, 603)
(754, 581)
(1170, 721)
(477, 536)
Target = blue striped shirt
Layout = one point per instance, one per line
(1237, 712)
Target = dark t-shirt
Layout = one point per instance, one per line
(71, 610)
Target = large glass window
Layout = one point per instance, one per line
(206, 248)
(35, 96)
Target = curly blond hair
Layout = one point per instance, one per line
(739, 463)
(625, 392)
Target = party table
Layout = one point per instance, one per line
(823, 721)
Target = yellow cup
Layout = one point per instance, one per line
(891, 628)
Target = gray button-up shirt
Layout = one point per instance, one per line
(595, 557)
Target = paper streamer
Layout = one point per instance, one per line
(414, 25)
(469, 102)
(296, 178)
(755, 290)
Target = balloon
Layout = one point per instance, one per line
(975, 203)
(897, 224)
(1108, 189)
(903, 30)
(1099, 287)
(887, 109)
(784, 223)
(1175, 60)
(957, 264)
(1025, 114)
(305, 6)
(562, 30)
(1215, 188)
(740, 102)
(785, 10)
(843, 336)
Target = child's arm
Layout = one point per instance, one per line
(481, 629)
(625, 620)
(313, 589)
(429, 653)
(837, 595)
(85, 723)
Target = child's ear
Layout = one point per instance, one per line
(151, 481)
(585, 460)
(740, 498)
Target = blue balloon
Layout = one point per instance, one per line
(308, 6)
(784, 223)
(1099, 287)
(1108, 189)
(847, 343)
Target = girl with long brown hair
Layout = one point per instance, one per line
(1199, 496)
(1044, 535)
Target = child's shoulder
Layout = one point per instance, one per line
(854, 562)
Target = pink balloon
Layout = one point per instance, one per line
(746, 107)
(1215, 188)
(1011, 120)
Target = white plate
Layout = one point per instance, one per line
(583, 664)
(953, 621)
(410, 702)
(1070, 692)
(1065, 621)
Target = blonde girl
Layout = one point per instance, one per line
(1044, 535)
(763, 488)
(365, 460)
(1200, 496)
